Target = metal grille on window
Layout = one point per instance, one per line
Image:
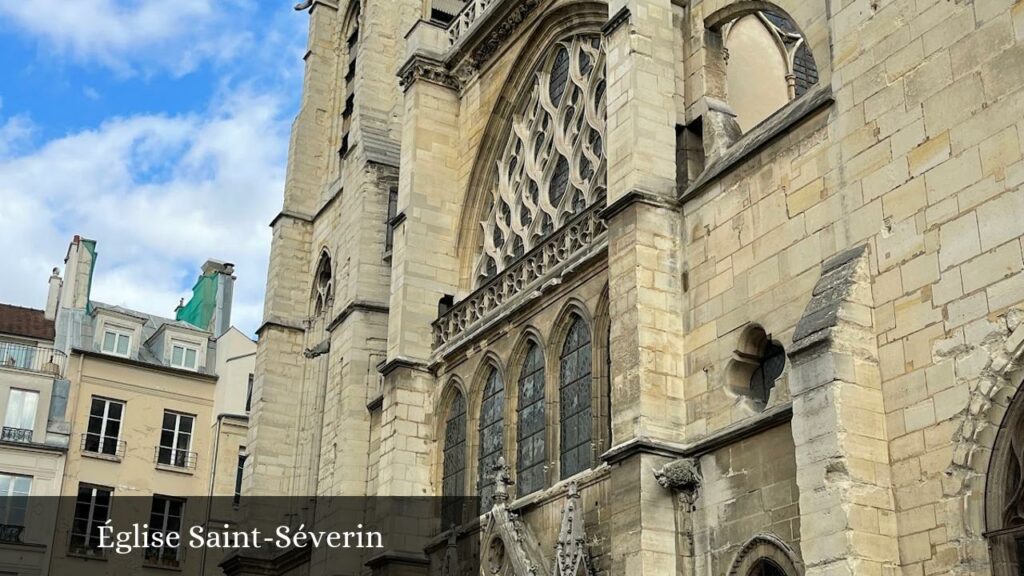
(767, 372)
(532, 452)
(492, 426)
(553, 163)
(575, 400)
(453, 482)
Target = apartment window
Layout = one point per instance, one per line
(238, 475)
(248, 393)
(14, 491)
(104, 432)
(175, 441)
(92, 509)
(164, 517)
(116, 341)
(184, 355)
(21, 415)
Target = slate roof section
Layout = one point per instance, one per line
(25, 322)
(151, 324)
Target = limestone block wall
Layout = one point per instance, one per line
(749, 488)
(919, 159)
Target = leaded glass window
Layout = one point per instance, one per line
(575, 400)
(553, 162)
(768, 370)
(453, 482)
(492, 425)
(532, 452)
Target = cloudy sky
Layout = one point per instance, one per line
(157, 128)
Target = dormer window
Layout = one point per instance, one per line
(184, 355)
(116, 341)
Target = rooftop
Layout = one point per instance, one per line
(25, 322)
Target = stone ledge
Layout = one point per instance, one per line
(770, 418)
(774, 127)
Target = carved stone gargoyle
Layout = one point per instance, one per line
(682, 477)
(572, 557)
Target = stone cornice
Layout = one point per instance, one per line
(617, 19)
(428, 68)
(401, 362)
(282, 324)
(636, 197)
(292, 216)
(356, 306)
(731, 434)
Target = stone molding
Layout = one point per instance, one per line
(636, 196)
(618, 19)
(770, 418)
(426, 68)
(768, 546)
(356, 306)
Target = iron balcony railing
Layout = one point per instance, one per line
(11, 534)
(16, 434)
(31, 358)
(175, 457)
(103, 445)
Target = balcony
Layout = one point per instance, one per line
(175, 459)
(465, 19)
(16, 435)
(103, 447)
(31, 358)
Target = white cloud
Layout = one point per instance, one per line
(160, 194)
(127, 35)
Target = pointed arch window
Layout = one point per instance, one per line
(553, 163)
(531, 430)
(323, 285)
(768, 64)
(575, 400)
(492, 426)
(453, 482)
(1004, 499)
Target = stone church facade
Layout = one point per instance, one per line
(692, 287)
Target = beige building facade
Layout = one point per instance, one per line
(34, 390)
(156, 414)
(675, 287)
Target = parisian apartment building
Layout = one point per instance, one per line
(669, 287)
(101, 402)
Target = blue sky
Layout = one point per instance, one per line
(158, 129)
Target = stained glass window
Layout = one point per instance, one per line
(492, 425)
(532, 452)
(575, 400)
(453, 483)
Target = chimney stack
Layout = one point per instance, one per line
(221, 320)
(53, 295)
(78, 267)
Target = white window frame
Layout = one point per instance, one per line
(174, 448)
(91, 520)
(164, 527)
(6, 498)
(186, 347)
(9, 413)
(104, 420)
(118, 333)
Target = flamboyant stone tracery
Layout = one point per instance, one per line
(553, 162)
